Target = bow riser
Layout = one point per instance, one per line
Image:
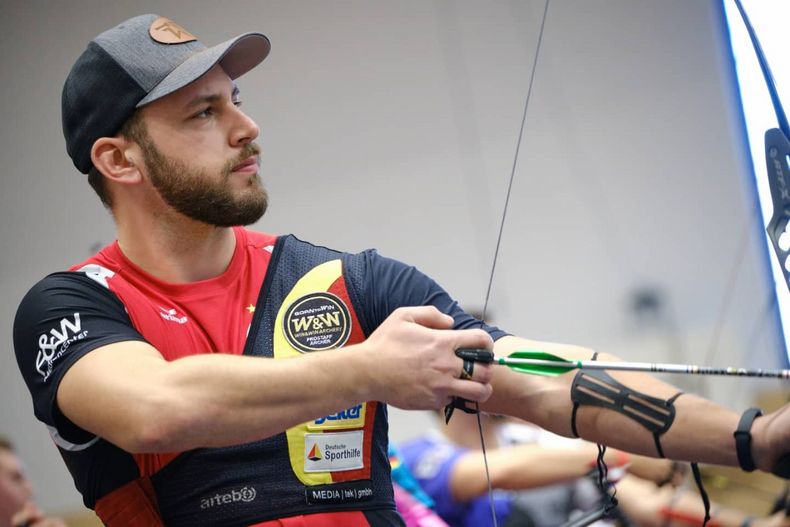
(777, 156)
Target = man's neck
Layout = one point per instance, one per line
(179, 250)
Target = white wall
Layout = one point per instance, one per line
(394, 125)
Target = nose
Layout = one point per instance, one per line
(244, 130)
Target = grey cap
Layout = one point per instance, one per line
(135, 63)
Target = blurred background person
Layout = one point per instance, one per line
(543, 480)
(17, 508)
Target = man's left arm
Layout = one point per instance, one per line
(701, 430)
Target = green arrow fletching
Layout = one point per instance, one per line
(537, 363)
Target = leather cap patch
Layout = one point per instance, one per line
(165, 31)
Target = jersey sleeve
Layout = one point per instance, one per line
(390, 284)
(432, 463)
(62, 318)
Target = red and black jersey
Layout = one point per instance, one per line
(279, 297)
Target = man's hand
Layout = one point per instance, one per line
(31, 516)
(414, 363)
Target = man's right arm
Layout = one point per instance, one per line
(127, 393)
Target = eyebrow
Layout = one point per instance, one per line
(211, 98)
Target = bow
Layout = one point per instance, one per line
(778, 163)
(777, 159)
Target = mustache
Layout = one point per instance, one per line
(249, 150)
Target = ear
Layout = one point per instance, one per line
(112, 156)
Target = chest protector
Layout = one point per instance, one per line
(308, 303)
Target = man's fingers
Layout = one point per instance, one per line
(472, 339)
(31, 515)
(27, 515)
(471, 390)
(478, 372)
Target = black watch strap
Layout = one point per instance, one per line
(743, 439)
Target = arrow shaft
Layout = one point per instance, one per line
(687, 369)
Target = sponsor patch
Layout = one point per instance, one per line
(348, 492)
(317, 322)
(232, 496)
(353, 417)
(333, 452)
(53, 344)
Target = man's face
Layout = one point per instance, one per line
(200, 155)
(15, 489)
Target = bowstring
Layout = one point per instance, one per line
(515, 160)
(499, 243)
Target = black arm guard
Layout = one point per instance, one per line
(598, 388)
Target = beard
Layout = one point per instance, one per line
(200, 195)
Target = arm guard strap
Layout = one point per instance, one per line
(598, 388)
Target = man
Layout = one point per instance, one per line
(151, 362)
(16, 493)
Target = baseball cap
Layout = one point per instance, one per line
(135, 63)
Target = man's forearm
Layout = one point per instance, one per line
(205, 400)
(701, 431)
(266, 396)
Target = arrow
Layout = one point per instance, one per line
(546, 364)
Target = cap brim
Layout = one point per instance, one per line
(237, 56)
